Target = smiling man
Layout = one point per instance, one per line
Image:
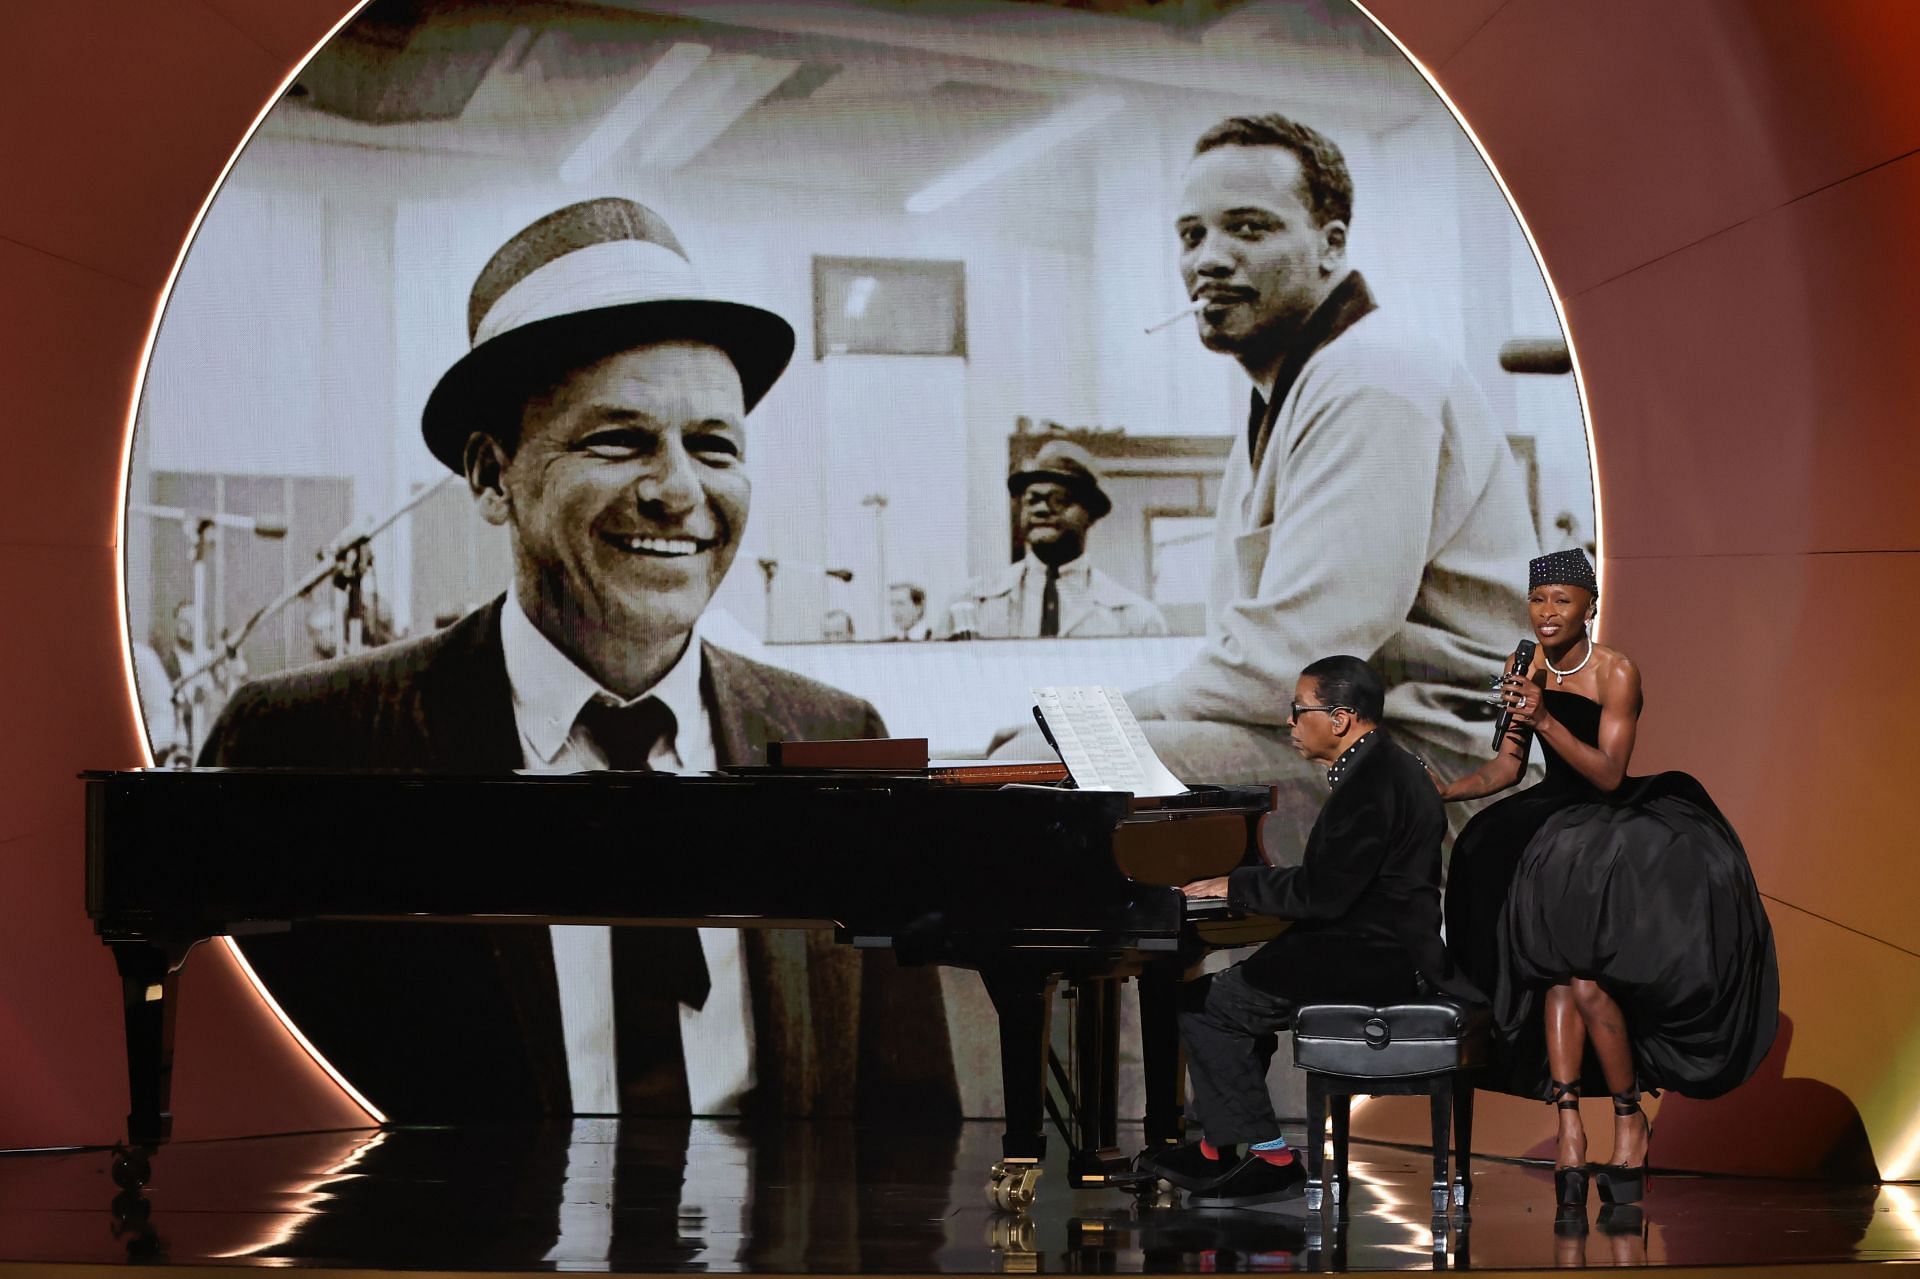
(1370, 504)
(600, 418)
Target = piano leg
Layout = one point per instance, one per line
(1165, 1067)
(1108, 1111)
(1097, 1161)
(149, 977)
(1023, 1000)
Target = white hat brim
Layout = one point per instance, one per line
(758, 342)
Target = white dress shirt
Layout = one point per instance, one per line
(549, 691)
(1008, 604)
(1073, 584)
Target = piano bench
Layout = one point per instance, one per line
(1431, 1047)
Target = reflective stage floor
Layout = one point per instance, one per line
(832, 1197)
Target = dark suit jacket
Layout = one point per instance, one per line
(463, 1020)
(1366, 895)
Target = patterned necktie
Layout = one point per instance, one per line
(1050, 603)
(655, 970)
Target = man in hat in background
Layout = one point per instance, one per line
(599, 417)
(1052, 590)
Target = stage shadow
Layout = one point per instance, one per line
(1770, 1126)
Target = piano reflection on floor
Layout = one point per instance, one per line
(593, 1194)
(842, 1197)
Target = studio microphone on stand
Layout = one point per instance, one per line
(1516, 665)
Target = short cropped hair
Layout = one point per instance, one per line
(1323, 169)
(1349, 682)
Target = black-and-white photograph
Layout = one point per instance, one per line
(573, 386)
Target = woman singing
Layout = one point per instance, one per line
(1613, 919)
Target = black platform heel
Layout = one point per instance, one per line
(1569, 1184)
(1622, 1183)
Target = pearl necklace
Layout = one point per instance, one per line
(1562, 675)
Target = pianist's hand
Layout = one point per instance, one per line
(1215, 887)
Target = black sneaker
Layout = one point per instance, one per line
(1253, 1181)
(1185, 1166)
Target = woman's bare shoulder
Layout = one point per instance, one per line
(1614, 670)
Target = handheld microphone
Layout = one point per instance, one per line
(1516, 665)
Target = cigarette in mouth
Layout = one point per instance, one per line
(1189, 309)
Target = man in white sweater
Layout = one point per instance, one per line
(1348, 414)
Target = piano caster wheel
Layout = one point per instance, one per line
(1011, 1187)
(131, 1168)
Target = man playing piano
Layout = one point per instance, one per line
(1366, 904)
(600, 418)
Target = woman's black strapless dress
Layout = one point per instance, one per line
(1645, 890)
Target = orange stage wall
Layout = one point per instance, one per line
(1724, 192)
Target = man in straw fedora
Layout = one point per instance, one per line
(600, 418)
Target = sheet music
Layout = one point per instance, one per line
(1101, 743)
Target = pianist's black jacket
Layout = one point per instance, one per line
(1366, 894)
(463, 1020)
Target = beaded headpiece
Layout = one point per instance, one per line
(1565, 568)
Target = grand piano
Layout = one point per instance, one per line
(1029, 885)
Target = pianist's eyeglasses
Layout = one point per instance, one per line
(1295, 710)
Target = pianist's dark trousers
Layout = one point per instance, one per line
(1230, 1027)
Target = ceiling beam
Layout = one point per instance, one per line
(1085, 44)
(617, 125)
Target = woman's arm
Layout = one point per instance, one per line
(1498, 773)
(1605, 763)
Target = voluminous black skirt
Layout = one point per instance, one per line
(1648, 892)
